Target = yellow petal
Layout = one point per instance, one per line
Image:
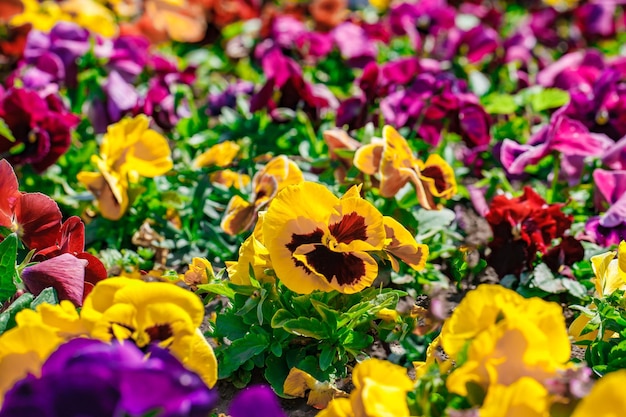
(368, 157)
(220, 155)
(403, 245)
(150, 155)
(524, 398)
(606, 399)
(239, 216)
(438, 177)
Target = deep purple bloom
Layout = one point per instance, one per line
(53, 56)
(258, 401)
(128, 56)
(87, 377)
(596, 19)
(609, 228)
(41, 126)
(228, 97)
(605, 236)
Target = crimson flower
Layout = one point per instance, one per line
(523, 226)
(35, 217)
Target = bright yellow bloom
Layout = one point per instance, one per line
(524, 398)
(380, 390)
(85, 13)
(252, 255)
(220, 155)
(513, 348)
(317, 241)
(129, 150)
(156, 312)
(299, 382)
(24, 348)
(488, 305)
(393, 159)
(278, 173)
(606, 398)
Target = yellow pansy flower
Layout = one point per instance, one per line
(487, 305)
(252, 255)
(392, 159)
(606, 398)
(220, 155)
(513, 348)
(524, 398)
(129, 150)
(401, 244)
(380, 390)
(278, 173)
(156, 312)
(317, 241)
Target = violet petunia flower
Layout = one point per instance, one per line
(86, 377)
(610, 227)
(258, 401)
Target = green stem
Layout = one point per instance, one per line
(555, 180)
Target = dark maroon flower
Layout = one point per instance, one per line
(566, 253)
(41, 127)
(65, 273)
(86, 377)
(521, 227)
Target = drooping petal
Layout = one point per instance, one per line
(220, 155)
(239, 216)
(438, 176)
(368, 157)
(65, 273)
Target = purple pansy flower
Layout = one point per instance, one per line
(609, 228)
(354, 45)
(258, 401)
(87, 377)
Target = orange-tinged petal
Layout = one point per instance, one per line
(110, 192)
(368, 157)
(230, 178)
(398, 148)
(403, 245)
(284, 171)
(339, 407)
(239, 216)
(220, 155)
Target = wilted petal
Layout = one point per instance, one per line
(65, 273)
(368, 157)
(239, 216)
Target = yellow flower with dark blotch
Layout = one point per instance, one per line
(129, 150)
(606, 398)
(488, 305)
(317, 241)
(403, 245)
(380, 390)
(253, 255)
(393, 160)
(278, 173)
(229, 178)
(220, 155)
(508, 350)
(151, 312)
(526, 397)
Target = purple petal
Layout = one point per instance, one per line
(258, 401)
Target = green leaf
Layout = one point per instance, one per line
(8, 257)
(219, 289)
(432, 221)
(496, 103)
(5, 131)
(242, 350)
(47, 296)
(308, 327)
(7, 318)
(550, 98)
(281, 317)
(326, 356)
